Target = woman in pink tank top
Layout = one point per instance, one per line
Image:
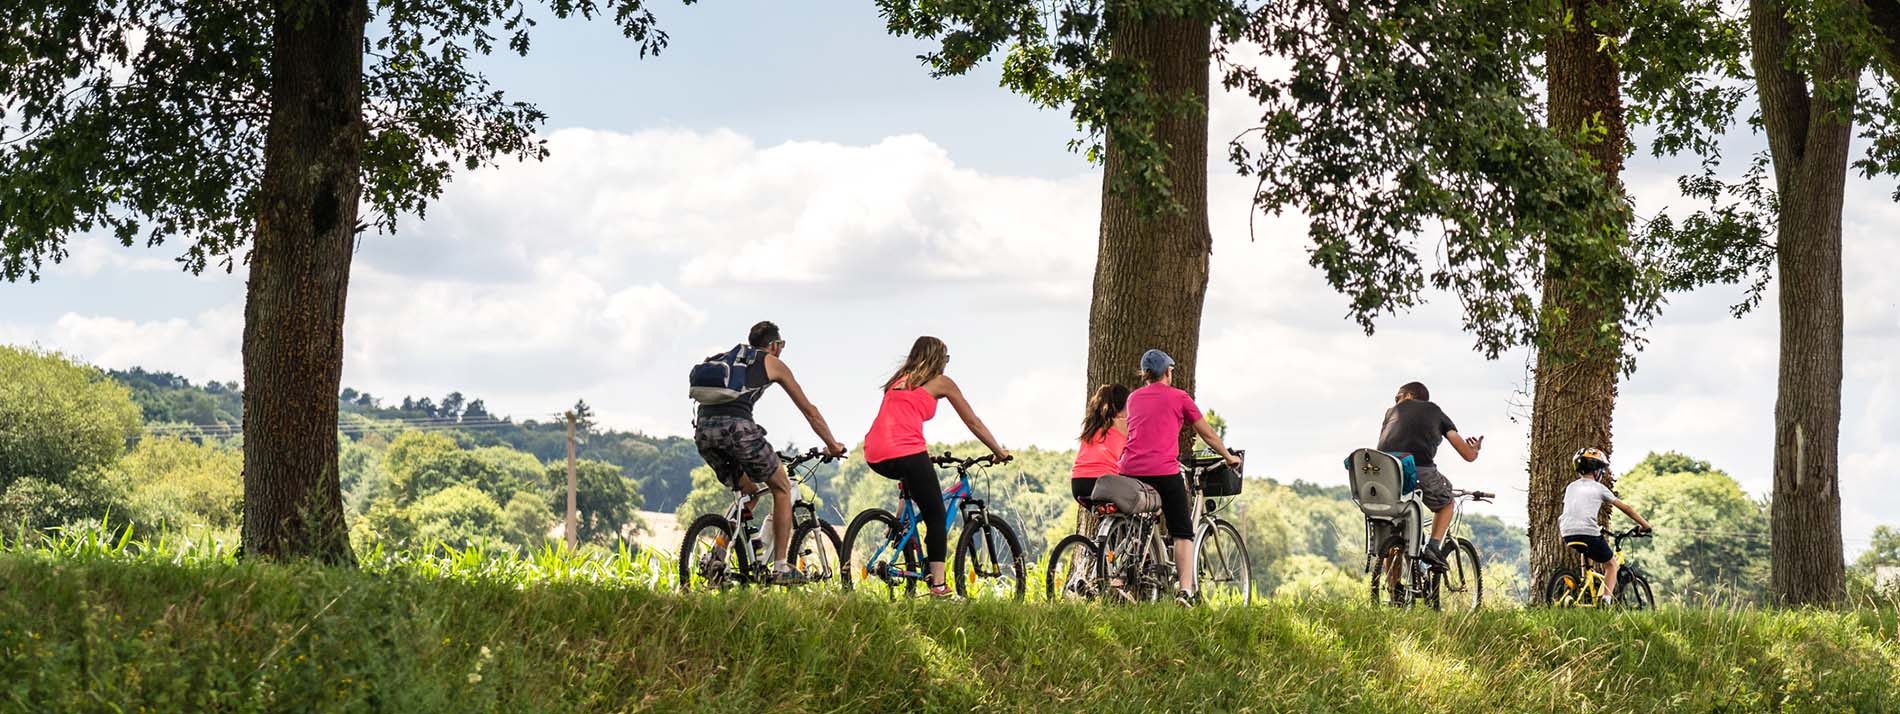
(896, 449)
(1104, 434)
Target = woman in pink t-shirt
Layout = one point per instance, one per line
(895, 446)
(1156, 413)
(1104, 432)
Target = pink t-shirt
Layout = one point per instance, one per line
(1155, 416)
(898, 429)
(1100, 456)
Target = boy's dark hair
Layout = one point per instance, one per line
(1417, 390)
(763, 334)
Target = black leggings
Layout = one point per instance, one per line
(1175, 507)
(920, 485)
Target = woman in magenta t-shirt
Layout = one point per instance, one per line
(1104, 432)
(1156, 413)
(895, 447)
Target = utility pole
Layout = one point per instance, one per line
(573, 534)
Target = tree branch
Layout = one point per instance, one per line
(1885, 15)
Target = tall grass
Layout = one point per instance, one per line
(99, 620)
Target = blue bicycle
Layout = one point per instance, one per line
(881, 548)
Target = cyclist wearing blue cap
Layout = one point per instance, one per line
(1156, 413)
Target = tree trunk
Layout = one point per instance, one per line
(300, 270)
(1809, 145)
(1151, 267)
(1576, 373)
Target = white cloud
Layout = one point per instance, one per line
(203, 346)
(728, 212)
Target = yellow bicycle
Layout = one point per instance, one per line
(1579, 585)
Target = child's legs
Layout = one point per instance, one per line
(1609, 575)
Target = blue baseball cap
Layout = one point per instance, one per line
(1156, 362)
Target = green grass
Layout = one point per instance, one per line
(122, 626)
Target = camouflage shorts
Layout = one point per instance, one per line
(734, 447)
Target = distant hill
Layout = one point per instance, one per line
(660, 466)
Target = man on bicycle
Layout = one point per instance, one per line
(1413, 426)
(1583, 499)
(734, 445)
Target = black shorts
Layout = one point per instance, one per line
(735, 447)
(1594, 547)
(1081, 488)
(1177, 509)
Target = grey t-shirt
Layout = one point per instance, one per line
(1415, 427)
(1583, 499)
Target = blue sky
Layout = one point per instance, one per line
(797, 164)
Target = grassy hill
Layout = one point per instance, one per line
(81, 631)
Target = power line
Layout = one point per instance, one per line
(344, 423)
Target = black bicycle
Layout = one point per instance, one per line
(723, 550)
(1399, 577)
(1127, 560)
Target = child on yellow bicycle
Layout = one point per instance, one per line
(1583, 499)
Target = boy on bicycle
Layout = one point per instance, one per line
(1583, 499)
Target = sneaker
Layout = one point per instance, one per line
(789, 577)
(1432, 557)
(1187, 598)
(941, 592)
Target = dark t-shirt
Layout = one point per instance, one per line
(1414, 427)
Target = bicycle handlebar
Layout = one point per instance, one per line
(1633, 532)
(948, 459)
(1197, 460)
(793, 460)
(1474, 495)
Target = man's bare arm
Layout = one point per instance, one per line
(776, 371)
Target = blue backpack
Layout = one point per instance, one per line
(722, 377)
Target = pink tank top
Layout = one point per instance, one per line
(898, 430)
(1100, 457)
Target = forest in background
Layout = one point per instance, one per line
(157, 452)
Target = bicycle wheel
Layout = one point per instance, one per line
(709, 559)
(1565, 589)
(1392, 573)
(1222, 573)
(871, 555)
(989, 561)
(1119, 560)
(1632, 590)
(1070, 573)
(1460, 586)
(816, 552)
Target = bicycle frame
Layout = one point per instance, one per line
(959, 499)
(803, 511)
(1422, 525)
(1593, 579)
(1148, 530)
